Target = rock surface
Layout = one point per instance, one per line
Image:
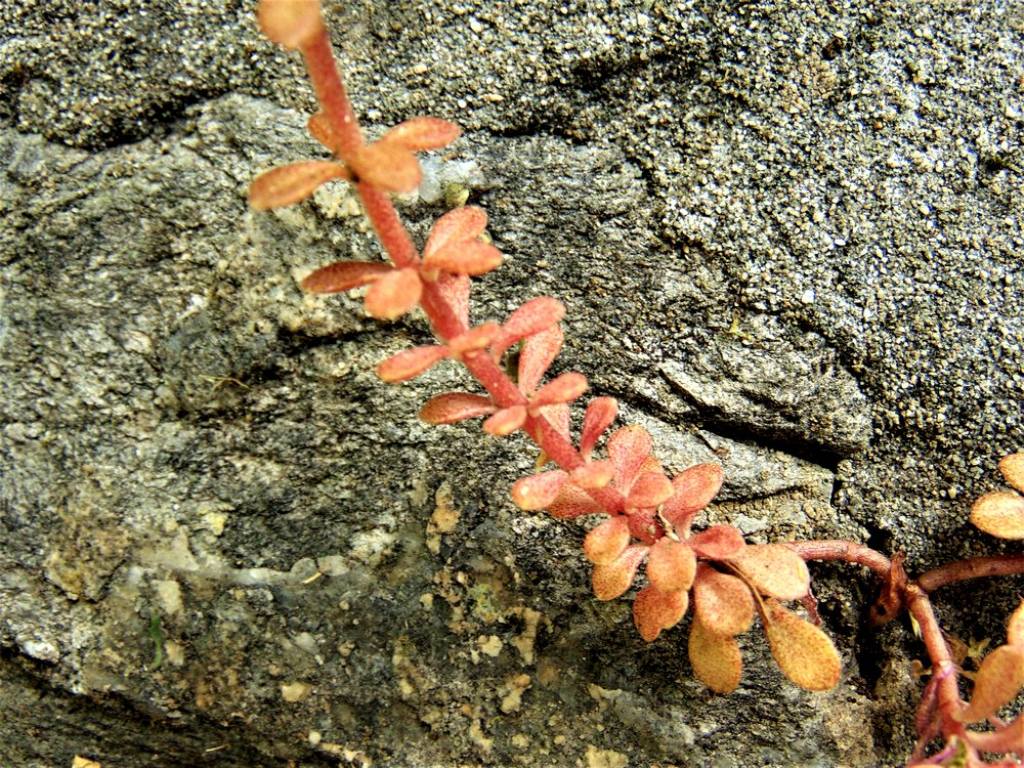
(789, 238)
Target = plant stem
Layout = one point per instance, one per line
(847, 551)
(971, 568)
(330, 92)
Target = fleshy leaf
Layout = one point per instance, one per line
(538, 491)
(996, 683)
(536, 356)
(455, 290)
(456, 226)
(464, 257)
(694, 487)
(394, 294)
(715, 658)
(717, 542)
(594, 474)
(506, 421)
(455, 406)
(774, 569)
(601, 412)
(562, 389)
(422, 133)
(319, 128)
(558, 417)
(1001, 514)
(1012, 467)
(572, 501)
(410, 363)
(650, 489)
(723, 602)
(654, 610)
(390, 167)
(628, 449)
(613, 580)
(473, 339)
(671, 565)
(293, 183)
(344, 275)
(290, 23)
(803, 652)
(534, 316)
(1007, 738)
(605, 542)
(1015, 626)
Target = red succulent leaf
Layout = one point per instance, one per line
(458, 225)
(723, 602)
(536, 356)
(628, 449)
(715, 658)
(455, 406)
(1015, 626)
(562, 389)
(506, 421)
(774, 569)
(571, 502)
(534, 316)
(320, 128)
(717, 542)
(387, 166)
(454, 289)
(695, 487)
(538, 491)
(293, 183)
(1012, 467)
(996, 683)
(594, 474)
(473, 339)
(601, 412)
(410, 363)
(654, 610)
(1006, 738)
(1000, 513)
(344, 275)
(803, 652)
(605, 542)
(464, 257)
(615, 578)
(290, 23)
(394, 294)
(671, 565)
(422, 133)
(649, 489)
(558, 417)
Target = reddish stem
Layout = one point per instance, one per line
(971, 568)
(847, 551)
(330, 92)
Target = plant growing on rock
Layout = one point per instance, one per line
(649, 516)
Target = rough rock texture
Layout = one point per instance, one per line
(789, 237)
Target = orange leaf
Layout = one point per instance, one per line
(595, 474)
(996, 683)
(650, 489)
(612, 580)
(671, 565)
(605, 542)
(803, 652)
(422, 133)
(558, 417)
(715, 659)
(456, 226)
(1015, 626)
(717, 542)
(722, 601)
(534, 316)
(389, 167)
(506, 421)
(290, 23)
(654, 610)
(473, 339)
(292, 183)
(1000, 513)
(628, 449)
(455, 406)
(464, 257)
(410, 363)
(572, 501)
(538, 491)
(694, 489)
(394, 294)
(601, 412)
(563, 389)
(536, 356)
(774, 569)
(344, 275)
(1012, 467)
(319, 128)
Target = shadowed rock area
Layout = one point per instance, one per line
(789, 240)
